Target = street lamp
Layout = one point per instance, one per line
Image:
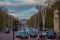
(42, 9)
(43, 14)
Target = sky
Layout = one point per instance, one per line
(23, 9)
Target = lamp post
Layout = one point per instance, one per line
(42, 9)
(43, 14)
(43, 17)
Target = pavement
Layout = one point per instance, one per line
(6, 36)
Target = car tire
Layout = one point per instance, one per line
(24, 38)
(17, 36)
(51, 37)
(27, 37)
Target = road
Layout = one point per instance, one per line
(9, 36)
(33, 39)
(25, 39)
(6, 36)
(36, 39)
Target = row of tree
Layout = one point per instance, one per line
(6, 20)
(36, 20)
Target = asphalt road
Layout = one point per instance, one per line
(33, 39)
(36, 39)
(9, 36)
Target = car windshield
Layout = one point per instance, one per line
(18, 33)
(35, 30)
(50, 33)
(32, 32)
(24, 33)
(6, 29)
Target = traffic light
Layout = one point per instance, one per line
(16, 25)
(20, 25)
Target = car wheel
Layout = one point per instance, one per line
(26, 37)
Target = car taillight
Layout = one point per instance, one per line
(37, 33)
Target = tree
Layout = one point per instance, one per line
(55, 4)
(4, 19)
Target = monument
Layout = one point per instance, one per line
(56, 20)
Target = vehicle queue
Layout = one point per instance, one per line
(34, 33)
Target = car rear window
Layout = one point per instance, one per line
(50, 33)
(24, 33)
(44, 33)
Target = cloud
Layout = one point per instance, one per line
(11, 10)
(18, 4)
(25, 14)
(12, 15)
(21, 9)
(23, 3)
(5, 3)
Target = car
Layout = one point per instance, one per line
(7, 30)
(51, 34)
(36, 30)
(18, 34)
(22, 35)
(27, 29)
(43, 33)
(40, 36)
(58, 35)
(33, 34)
